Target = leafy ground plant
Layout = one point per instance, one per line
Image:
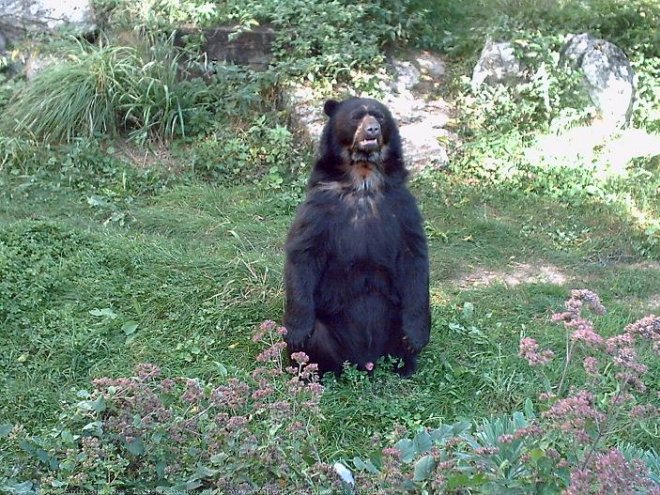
(253, 433)
(569, 448)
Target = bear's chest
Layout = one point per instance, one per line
(366, 227)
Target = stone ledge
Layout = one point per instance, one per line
(252, 48)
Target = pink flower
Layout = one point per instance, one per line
(506, 438)
(644, 411)
(572, 415)
(591, 298)
(591, 365)
(529, 350)
(234, 395)
(610, 472)
(236, 423)
(193, 391)
(584, 332)
(614, 343)
(261, 393)
(146, 371)
(647, 328)
(300, 357)
(626, 357)
(265, 328)
(582, 329)
(273, 352)
(315, 388)
(546, 396)
(486, 450)
(392, 452)
(531, 431)
(630, 380)
(167, 385)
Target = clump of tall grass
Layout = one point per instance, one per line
(105, 90)
(79, 96)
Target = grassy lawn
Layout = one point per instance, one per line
(190, 271)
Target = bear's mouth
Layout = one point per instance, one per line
(368, 145)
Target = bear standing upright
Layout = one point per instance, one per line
(357, 268)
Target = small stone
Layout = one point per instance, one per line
(497, 64)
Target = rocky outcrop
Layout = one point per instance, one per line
(410, 92)
(608, 75)
(18, 17)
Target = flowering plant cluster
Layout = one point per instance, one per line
(255, 434)
(568, 448)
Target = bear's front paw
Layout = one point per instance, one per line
(413, 345)
(296, 340)
(408, 367)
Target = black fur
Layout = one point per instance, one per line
(357, 270)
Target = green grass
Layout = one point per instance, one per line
(196, 267)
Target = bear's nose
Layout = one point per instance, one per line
(371, 129)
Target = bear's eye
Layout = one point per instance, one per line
(378, 115)
(357, 117)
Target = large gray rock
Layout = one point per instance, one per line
(497, 64)
(608, 75)
(18, 17)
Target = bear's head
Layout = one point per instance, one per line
(361, 126)
(360, 136)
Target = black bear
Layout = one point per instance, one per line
(357, 269)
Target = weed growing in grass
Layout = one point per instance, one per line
(256, 432)
(263, 154)
(570, 447)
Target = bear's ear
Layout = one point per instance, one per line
(330, 107)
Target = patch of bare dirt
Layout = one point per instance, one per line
(514, 275)
(146, 158)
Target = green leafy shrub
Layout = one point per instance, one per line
(550, 98)
(20, 155)
(264, 153)
(84, 165)
(7, 88)
(460, 28)
(329, 40)
(246, 155)
(159, 16)
(504, 128)
(29, 253)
